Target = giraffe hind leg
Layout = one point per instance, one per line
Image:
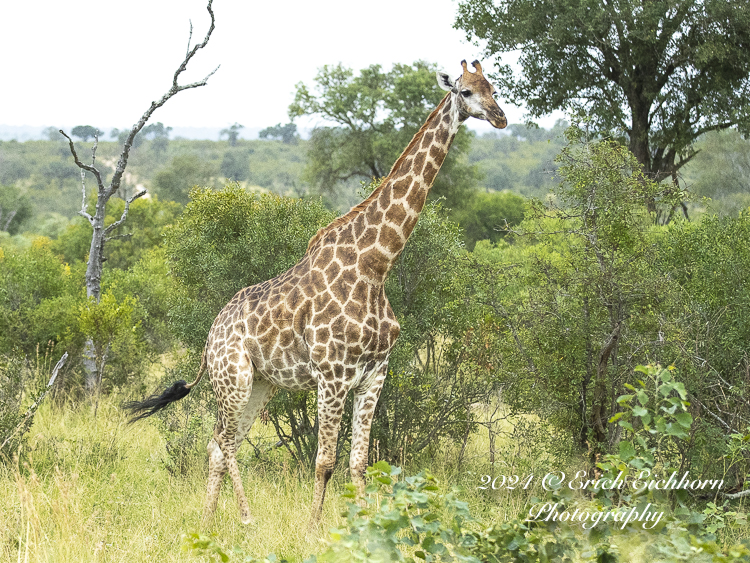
(217, 468)
(221, 458)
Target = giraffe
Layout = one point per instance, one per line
(326, 324)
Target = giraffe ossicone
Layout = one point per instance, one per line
(326, 324)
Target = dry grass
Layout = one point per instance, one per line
(96, 489)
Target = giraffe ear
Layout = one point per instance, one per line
(444, 81)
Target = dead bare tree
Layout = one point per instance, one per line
(101, 233)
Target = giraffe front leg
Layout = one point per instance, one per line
(362, 415)
(330, 409)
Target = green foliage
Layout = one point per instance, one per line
(142, 232)
(720, 171)
(86, 132)
(655, 422)
(147, 281)
(377, 113)
(413, 519)
(287, 134)
(488, 215)
(15, 209)
(184, 172)
(585, 303)
(112, 327)
(232, 133)
(39, 298)
(662, 72)
(710, 262)
(42, 302)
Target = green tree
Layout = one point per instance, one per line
(235, 165)
(185, 171)
(39, 297)
(232, 133)
(710, 262)
(376, 114)
(86, 132)
(663, 73)
(579, 302)
(287, 134)
(104, 322)
(488, 215)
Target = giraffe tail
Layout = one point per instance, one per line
(155, 403)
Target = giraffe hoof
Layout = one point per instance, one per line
(246, 519)
(313, 528)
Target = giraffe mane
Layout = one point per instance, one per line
(360, 207)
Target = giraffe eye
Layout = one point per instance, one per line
(466, 93)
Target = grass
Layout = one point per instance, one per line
(96, 489)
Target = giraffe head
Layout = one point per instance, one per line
(473, 95)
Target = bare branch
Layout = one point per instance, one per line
(736, 495)
(190, 39)
(715, 416)
(116, 178)
(32, 409)
(83, 166)
(124, 216)
(114, 237)
(10, 218)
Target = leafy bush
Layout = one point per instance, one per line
(487, 215)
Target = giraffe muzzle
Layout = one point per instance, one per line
(497, 119)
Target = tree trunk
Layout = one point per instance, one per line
(94, 290)
(600, 414)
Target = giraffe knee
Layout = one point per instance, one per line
(324, 464)
(215, 455)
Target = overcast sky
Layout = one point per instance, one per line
(101, 63)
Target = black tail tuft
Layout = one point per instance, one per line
(147, 407)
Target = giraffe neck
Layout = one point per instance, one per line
(386, 219)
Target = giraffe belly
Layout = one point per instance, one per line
(294, 379)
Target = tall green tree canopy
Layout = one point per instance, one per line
(376, 113)
(662, 72)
